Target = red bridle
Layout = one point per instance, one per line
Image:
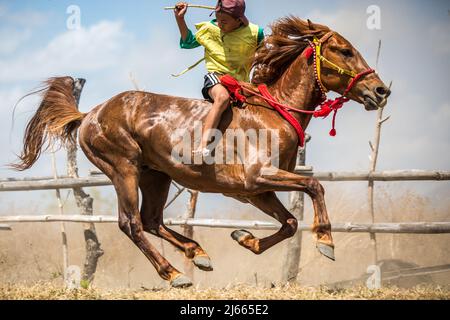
(326, 106)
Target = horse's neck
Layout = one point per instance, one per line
(297, 88)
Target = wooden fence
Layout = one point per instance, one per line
(48, 183)
(347, 227)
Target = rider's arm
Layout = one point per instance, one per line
(190, 42)
(260, 35)
(187, 40)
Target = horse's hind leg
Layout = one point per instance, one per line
(126, 184)
(155, 187)
(124, 176)
(271, 205)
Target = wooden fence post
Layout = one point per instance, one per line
(375, 147)
(85, 204)
(65, 249)
(296, 207)
(189, 230)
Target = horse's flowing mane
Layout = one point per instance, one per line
(282, 47)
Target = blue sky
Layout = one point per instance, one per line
(122, 37)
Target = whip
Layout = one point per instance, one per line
(193, 6)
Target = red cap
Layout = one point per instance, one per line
(235, 8)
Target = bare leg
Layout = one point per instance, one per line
(271, 205)
(155, 187)
(221, 99)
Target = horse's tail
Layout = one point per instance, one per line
(55, 120)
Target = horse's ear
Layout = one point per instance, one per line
(317, 27)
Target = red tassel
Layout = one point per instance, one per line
(307, 53)
(324, 110)
(333, 132)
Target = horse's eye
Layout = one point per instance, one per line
(347, 53)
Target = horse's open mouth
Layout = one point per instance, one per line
(370, 104)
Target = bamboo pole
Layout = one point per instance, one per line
(65, 250)
(345, 227)
(5, 227)
(296, 207)
(375, 147)
(188, 231)
(373, 163)
(101, 180)
(85, 203)
(385, 176)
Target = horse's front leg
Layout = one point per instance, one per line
(287, 181)
(271, 205)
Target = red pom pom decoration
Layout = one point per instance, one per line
(307, 53)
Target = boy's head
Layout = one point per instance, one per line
(230, 14)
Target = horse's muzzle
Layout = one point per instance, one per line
(376, 98)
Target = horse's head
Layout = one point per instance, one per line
(339, 66)
(342, 64)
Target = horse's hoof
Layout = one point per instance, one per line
(181, 281)
(203, 263)
(326, 250)
(241, 235)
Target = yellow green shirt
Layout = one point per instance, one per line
(226, 53)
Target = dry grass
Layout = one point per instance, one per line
(43, 291)
(31, 254)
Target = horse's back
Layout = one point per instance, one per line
(145, 117)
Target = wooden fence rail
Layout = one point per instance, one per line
(396, 175)
(350, 227)
(5, 227)
(101, 180)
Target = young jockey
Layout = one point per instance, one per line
(230, 42)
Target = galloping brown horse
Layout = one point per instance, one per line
(131, 138)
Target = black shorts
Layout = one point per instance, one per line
(211, 80)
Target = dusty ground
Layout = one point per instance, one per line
(44, 291)
(31, 253)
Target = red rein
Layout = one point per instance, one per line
(326, 107)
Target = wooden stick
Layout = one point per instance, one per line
(351, 227)
(102, 180)
(296, 207)
(85, 203)
(5, 227)
(373, 164)
(188, 231)
(193, 6)
(65, 249)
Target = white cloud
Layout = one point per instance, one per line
(27, 19)
(18, 27)
(12, 39)
(91, 49)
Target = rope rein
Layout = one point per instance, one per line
(326, 106)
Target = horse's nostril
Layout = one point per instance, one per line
(383, 92)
